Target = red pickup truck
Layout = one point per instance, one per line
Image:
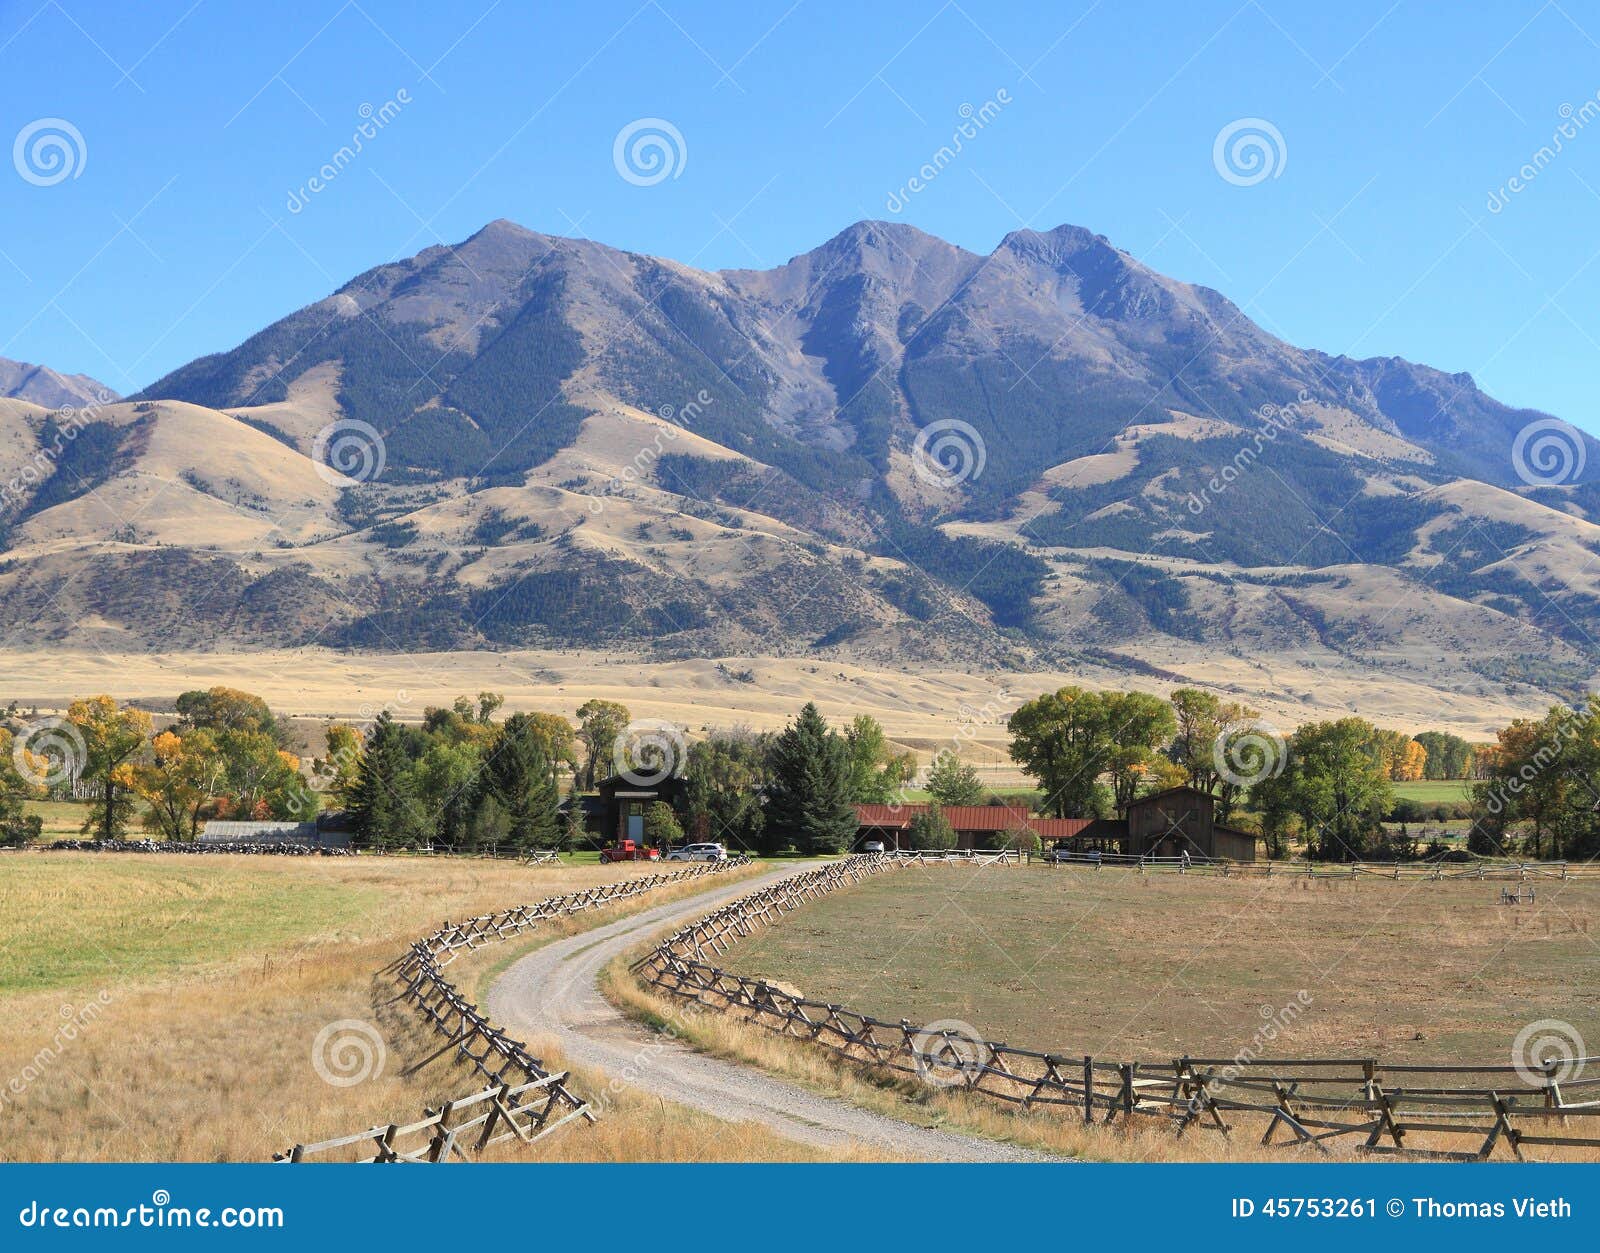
(627, 850)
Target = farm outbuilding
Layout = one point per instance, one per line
(1167, 824)
(270, 831)
(976, 826)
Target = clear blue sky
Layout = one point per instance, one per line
(198, 118)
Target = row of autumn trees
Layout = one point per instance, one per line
(1328, 785)
(225, 755)
(464, 779)
(1539, 789)
(1093, 752)
(461, 780)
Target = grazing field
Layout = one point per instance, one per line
(161, 1008)
(1151, 967)
(1434, 791)
(59, 818)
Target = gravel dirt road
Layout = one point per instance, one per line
(554, 991)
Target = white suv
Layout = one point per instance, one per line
(699, 852)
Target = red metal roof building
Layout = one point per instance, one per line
(890, 823)
(1178, 821)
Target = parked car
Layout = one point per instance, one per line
(872, 846)
(628, 850)
(699, 852)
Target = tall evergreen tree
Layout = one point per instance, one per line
(574, 833)
(384, 809)
(520, 777)
(809, 799)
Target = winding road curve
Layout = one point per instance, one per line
(555, 991)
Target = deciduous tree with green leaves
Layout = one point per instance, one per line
(930, 830)
(600, 722)
(1339, 787)
(876, 770)
(1137, 724)
(725, 780)
(952, 781)
(1449, 756)
(661, 825)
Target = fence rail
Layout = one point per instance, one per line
(460, 1128)
(1422, 1111)
(1486, 871)
(982, 857)
(527, 1100)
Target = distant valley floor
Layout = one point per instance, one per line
(920, 707)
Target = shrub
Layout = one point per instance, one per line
(931, 830)
(661, 825)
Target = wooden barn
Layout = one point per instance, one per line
(1167, 824)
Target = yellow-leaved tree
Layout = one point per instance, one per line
(112, 735)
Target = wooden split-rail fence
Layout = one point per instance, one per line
(1447, 1112)
(522, 1098)
(461, 1128)
(1482, 871)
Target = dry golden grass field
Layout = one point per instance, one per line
(194, 989)
(1126, 966)
(899, 1096)
(920, 705)
(1132, 967)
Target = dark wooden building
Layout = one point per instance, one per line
(623, 802)
(1167, 824)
